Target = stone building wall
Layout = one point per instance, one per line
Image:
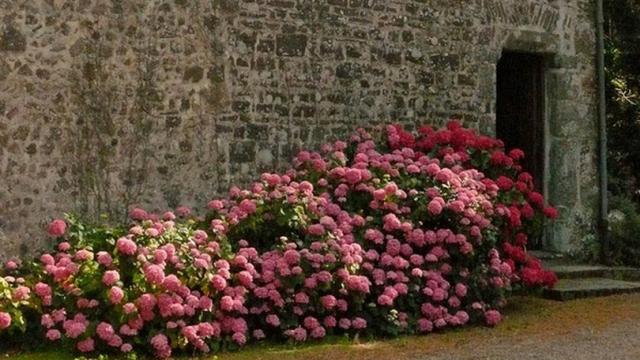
(168, 102)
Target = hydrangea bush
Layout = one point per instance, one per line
(412, 233)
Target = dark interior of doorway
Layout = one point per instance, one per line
(520, 111)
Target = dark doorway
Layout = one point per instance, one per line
(520, 113)
(520, 108)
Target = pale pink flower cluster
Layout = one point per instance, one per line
(5, 320)
(357, 238)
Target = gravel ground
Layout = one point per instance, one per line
(619, 341)
(606, 328)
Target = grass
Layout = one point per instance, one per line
(523, 318)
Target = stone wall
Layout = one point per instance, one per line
(161, 103)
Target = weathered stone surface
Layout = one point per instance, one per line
(193, 74)
(570, 289)
(11, 39)
(291, 44)
(160, 103)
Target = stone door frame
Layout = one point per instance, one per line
(545, 45)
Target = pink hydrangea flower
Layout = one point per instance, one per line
(104, 258)
(21, 293)
(105, 331)
(5, 320)
(424, 325)
(461, 290)
(492, 317)
(292, 257)
(57, 228)
(64, 246)
(73, 328)
(129, 308)
(391, 222)
(154, 274)
(239, 338)
(126, 246)
(301, 298)
(272, 320)
(318, 332)
(138, 214)
(344, 323)
(47, 321)
(245, 278)
(215, 205)
(161, 346)
(84, 255)
(116, 295)
(258, 334)
(435, 207)
(329, 302)
(53, 334)
(316, 229)
(110, 277)
(299, 334)
(358, 283)
(226, 303)
(86, 345)
(329, 321)
(47, 259)
(353, 176)
(385, 300)
(359, 323)
(218, 282)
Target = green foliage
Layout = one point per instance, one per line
(622, 52)
(92, 236)
(624, 236)
(625, 233)
(623, 95)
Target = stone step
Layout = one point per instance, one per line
(569, 289)
(575, 271)
(546, 255)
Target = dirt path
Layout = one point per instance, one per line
(598, 329)
(618, 341)
(602, 328)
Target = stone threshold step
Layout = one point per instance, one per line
(569, 289)
(546, 255)
(575, 271)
